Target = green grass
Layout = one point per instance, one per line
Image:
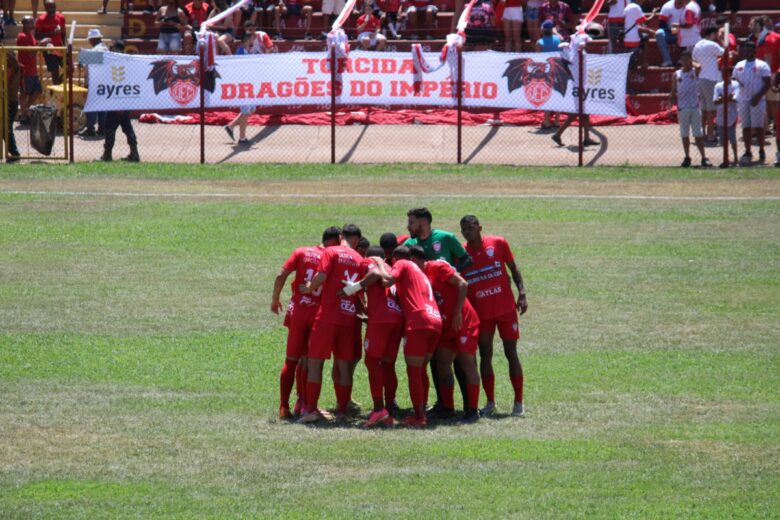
(139, 361)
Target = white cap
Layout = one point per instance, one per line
(94, 34)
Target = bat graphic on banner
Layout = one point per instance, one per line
(181, 80)
(538, 78)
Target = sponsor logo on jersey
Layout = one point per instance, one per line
(393, 305)
(437, 246)
(490, 291)
(432, 311)
(348, 306)
(463, 340)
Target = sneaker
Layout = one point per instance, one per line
(761, 156)
(518, 410)
(284, 413)
(745, 160)
(667, 64)
(315, 416)
(705, 163)
(489, 409)
(307, 37)
(376, 417)
(389, 421)
(590, 142)
(686, 162)
(229, 132)
(353, 408)
(414, 422)
(557, 139)
(470, 417)
(105, 158)
(86, 132)
(244, 142)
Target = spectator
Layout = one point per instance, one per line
(197, 12)
(116, 119)
(561, 15)
(51, 26)
(668, 29)
(615, 24)
(634, 33)
(512, 21)
(549, 42)
(368, 26)
(733, 6)
(685, 94)
(393, 11)
(720, 23)
(690, 26)
(719, 101)
(263, 13)
(123, 7)
(225, 29)
(480, 24)
(532, 22)
(768, 50)
(8, 12)
(14, 78)
(707, 54)
(416, 9)
(171, 21)
(753, 77)
(95, 39)
(31, 86)
(299, 8)
(332, 9)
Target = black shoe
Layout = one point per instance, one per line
(723, 165)
(13, 157)
(86, 132)
(686, 162)
(590, 142)
(705, 163)
(761, 156)
(557, 139)
(133, 157)
(105, 158)
(470, 417)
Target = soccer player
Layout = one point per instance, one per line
(334, 327)
(460, 328)
(388, 242)
(299, 319)
(491, 295)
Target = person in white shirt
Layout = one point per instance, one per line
(634, 21)
(685, 94)
(615, 24)
(690, 26)
(719, 101)
(753, 76)
(706, 54)
(668, 29)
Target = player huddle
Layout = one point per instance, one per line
(442, 300)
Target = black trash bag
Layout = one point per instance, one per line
(43, 128)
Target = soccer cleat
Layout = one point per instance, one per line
(315, 416)
(488, 409)
(686, 162)
(353, 408)
(414, 422)
(229, 132)
(470, 417)
(518, 410)
(284, 413)
(440, 414)
(388, 422)
(376, 417)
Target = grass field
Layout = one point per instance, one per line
(139, 361)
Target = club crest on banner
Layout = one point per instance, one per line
(181, 80)
(538, 79)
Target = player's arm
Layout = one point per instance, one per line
(717, 97)
(522, 302)
(673, 91)
(281, 278)
(755, 100)
(463, 260)
(314, 284)
(463, 289)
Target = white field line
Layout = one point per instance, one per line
(236, 195)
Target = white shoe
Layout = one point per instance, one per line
(488, 409)
(518, 410)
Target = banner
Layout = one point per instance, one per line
(536, 81)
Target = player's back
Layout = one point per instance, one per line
(304, 262)
(415, 295)
(341, 265)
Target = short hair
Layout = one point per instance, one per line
(750, 44)
(710, 30)
(469, 219)
(686, 54)
(417, 252)
(402, 252)
(721, 20)
(363, 242)
(351, 230)
(331, 233)
(757, 19)
(388, 240)
(420, 213)
(375, 251)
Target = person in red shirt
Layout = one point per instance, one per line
(334, 327)
(197, 12)
(51, 26)
(299, 317)
(31, 83)
(368, 27)
(460, 328)
(491, 294)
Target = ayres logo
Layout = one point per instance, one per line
(181, 80)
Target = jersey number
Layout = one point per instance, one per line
(309, 277)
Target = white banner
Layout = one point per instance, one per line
(537, 81)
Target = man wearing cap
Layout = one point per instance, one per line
(95, 39)
(51, 25)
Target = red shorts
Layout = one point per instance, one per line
(508, 326)
(299, 321)
(421, 342)
(329, 338)
(464, 341)
(383, 340)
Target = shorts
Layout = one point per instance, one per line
(752, 116)
(294, 10)
(32, 85)
(733, 5)
(531, 14)
(372, 37)
(229, 31)
(690, 122)
(732, 134)
(420, 342)
(383, 340)
(247, 110)
(299, 322)
(420, 10)
(169, 41)
(463, 342)
(329, 338)
(706, 91)
(508, 326)
(513, 14)
(333, 6)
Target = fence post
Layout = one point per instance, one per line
(69, 71)
(460, 104)
(333, 104)
(581, 97)
(726, 81)
(202, 108)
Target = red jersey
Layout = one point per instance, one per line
(389, 6)
(197, 16)
(769, 50)
(415, 295)
(371, 26)
(383, 306)
(27, 59)
(304, 262)
(440, 273)
(489, 285)
(45, 26)
(341, 264)
(402, 238)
